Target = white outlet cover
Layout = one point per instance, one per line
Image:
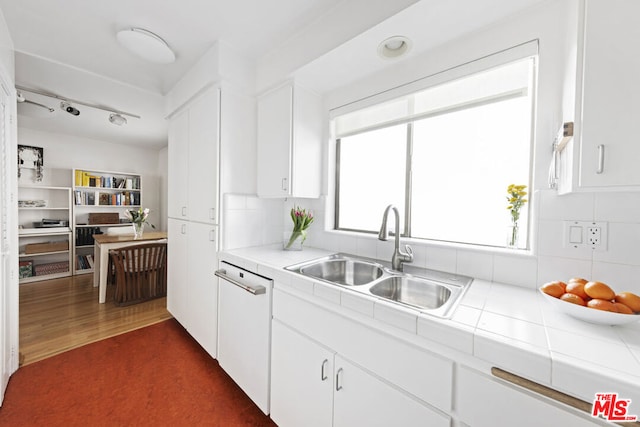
(576, 235)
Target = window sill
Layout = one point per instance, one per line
(491, 250)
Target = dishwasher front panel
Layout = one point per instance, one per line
(244, 330)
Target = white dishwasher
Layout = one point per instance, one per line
(244, 330)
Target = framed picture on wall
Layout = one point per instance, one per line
(31, 158)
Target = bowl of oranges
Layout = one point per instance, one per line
(593, 302)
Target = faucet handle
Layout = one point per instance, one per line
(409, 254)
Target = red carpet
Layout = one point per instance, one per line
(155, 376)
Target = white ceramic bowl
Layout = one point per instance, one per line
(590, 315)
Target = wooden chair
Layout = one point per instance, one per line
(141, 272)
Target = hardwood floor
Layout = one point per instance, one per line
(62, 314)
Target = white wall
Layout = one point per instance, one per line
(62, 153)
(554, 23)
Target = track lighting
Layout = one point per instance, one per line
(24, 101)
(117, 119)
(115, 116)
(69, 108)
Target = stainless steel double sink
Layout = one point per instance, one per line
(429, 291)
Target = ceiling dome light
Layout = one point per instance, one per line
(146, 45)
(117, 119)
(394, 47)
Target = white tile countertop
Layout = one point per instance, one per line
(507, 326)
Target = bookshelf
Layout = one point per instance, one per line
(100, 199)
(44, 233)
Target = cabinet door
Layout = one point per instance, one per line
(178, 166)
(177, 270)
(361, 399)
(610, 106)
(484, 401)
(301, 379)
(204, 130)
(202, 286)
(275, 115)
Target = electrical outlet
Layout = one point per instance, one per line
(585, 235)
(594, 236)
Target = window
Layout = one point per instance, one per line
(444, 156)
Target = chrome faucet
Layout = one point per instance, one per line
(398, 257)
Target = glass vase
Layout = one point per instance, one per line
(138, 229)
(292, 240)
(512, 236)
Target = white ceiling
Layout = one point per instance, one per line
(81, 33)
(69, 47)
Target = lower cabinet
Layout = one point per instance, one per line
(314, 386)
(483, 400)
(192, 289)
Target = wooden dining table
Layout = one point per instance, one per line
(104, 243)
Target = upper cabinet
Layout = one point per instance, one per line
(606, 150)
(193, 160)
(289, 143)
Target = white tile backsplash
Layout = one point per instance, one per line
(623, 244)
(521, 271)
(475, 264)
(443, 259)
(578, 207)
(251, 221)
(617, 207)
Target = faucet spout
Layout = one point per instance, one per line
(398, 257)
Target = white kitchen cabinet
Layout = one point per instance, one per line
(193, 159)
(177, 269)
(486, 401)
(362, 399)
(178, 166)
(330, 390)
(301, 379)
(192, 294)
(289, 143)
(607, 148)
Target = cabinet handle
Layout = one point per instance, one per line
(600, 159)
(184, 211)
(338, 376)
(183, 229)
(284, 184)
(212, 213)
(323, 375)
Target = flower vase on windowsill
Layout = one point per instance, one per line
(512, 236)
(516, 201)
(293, 240)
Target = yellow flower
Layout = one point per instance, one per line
(516, 200)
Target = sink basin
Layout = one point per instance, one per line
(434, 292)
(413, 291)
(343, 271)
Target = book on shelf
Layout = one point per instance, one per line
(25, 269)
(84, 262)
(87, 179)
